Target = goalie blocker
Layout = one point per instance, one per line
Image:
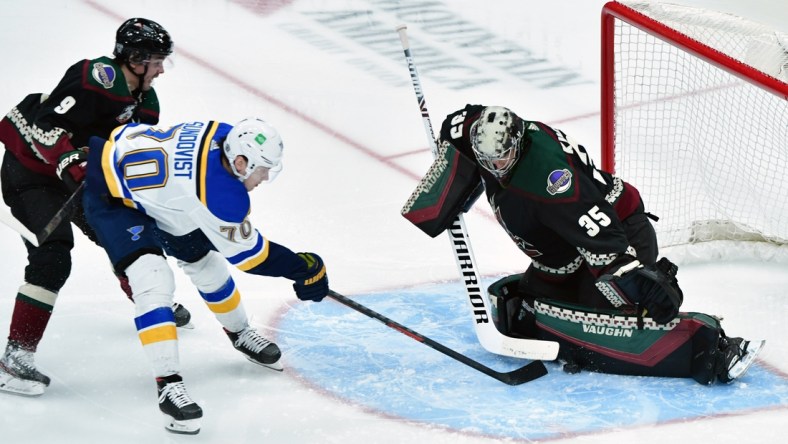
(451, 185)
(617, 341)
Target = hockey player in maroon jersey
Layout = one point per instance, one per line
(594, 283)
(44, 163)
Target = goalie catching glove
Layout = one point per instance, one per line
(312, 284)
(653, 287)
(71, 168)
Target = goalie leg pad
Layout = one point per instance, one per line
(505, 302)
(619, 342)
(512, 308)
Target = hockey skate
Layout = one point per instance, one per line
(256, 348)
(736, 357)
(18, 372)
(181, 412)
(182, 316)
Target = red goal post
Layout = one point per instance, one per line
(695, 114)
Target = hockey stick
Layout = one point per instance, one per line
(61, 214)
(489, 336)
(529, 372)
(39, 238)
(13, 223)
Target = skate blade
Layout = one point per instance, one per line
(184, 427)
(188, 326)
(277, 366)
(740, 368)
(16, 386)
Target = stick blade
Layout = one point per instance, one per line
(13, 223)
(529, 372)
(496, 342)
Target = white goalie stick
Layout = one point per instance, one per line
(38, 238)
(486, 332)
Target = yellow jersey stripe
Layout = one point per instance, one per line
(255, 260)
(108, 166)
(203, 163)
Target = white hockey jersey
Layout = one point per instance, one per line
(175, 176)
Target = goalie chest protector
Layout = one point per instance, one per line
(443, 191)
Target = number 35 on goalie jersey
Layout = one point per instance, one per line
(175, 175)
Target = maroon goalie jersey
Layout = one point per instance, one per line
(91, 99)
(556, 206)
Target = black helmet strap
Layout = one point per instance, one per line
(138, 93)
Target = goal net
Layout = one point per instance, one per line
(695, 115)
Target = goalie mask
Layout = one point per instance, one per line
(496, 139)
(259, 143)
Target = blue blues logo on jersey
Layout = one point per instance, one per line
(104, 74)
(135, 232)
(558, 181)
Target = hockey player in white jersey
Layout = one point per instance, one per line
(183, 191)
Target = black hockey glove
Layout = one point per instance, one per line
(312, 285)
(653, 287)
(71, 168)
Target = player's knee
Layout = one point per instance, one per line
(49, 265)
(209, 273)
(151, 281)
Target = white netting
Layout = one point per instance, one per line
(708, 150)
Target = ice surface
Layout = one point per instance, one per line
(354, 148)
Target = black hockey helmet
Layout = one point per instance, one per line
(138, 38)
